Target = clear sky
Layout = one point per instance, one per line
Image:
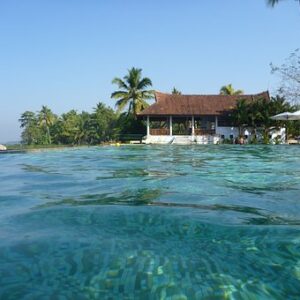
(64, 53)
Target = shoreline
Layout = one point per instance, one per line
(16, 150)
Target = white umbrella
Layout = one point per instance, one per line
(287, 116)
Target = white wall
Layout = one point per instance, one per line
(227, 131)
(159, 139)
(182, 139)
(207, 139)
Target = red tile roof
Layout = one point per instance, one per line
(197, 105)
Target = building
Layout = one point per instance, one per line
(186, 119)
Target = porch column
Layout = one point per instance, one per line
(216, 124)
(148, 126)
(193, 126)
(171, 125)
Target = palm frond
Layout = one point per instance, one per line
(272, 2)
(119, 94)
(120, 104)
(229, 90)
(238, 92)
(145, 82)
(142, 104)
(121, 84)
(134, 76)
(148, 94)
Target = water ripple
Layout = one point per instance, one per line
(151, 222)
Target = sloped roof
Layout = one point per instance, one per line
(187, 105)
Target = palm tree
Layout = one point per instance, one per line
(104, 119)
(28, 121)
(27, 118)
(240, 115)
(274, 2)
(46, 120)
(175, 91)
(132, 91)
(229, 90)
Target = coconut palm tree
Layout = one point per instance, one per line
(229, 90)
(46, 120)
(274, 2)
(175, 91)
(132, 91)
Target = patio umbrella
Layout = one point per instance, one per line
(287, 116)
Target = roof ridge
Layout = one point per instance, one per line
(172, 104)
(205, 95)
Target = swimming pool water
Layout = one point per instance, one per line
(151, 222)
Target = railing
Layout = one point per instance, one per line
(166, 131)
(199, 131)
(159, 131)
(128, 137)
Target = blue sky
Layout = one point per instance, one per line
(64, 54)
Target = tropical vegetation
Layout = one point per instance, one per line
(102, 125)
(175, 91)
(105, 124)
(229, 90)
(132, 91)
(46, 128)
(256, 115)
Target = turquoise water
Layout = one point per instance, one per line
(151, 222)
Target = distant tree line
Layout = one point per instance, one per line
(72, 128)
(102, 125)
